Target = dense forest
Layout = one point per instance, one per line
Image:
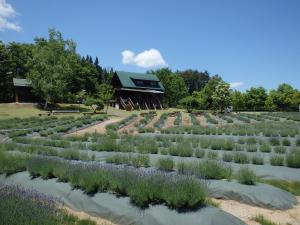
(59, 74)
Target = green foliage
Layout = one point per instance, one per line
(293, 158)
(221, 96)
(166, 164)
(189, 103)
(262, 220)
(256, 98)
(206, 169)
(227, 157)
(20, 206)
(246, 176)
(277, 160)
(95, 103)
(134, 160)
(241, 158)
(265, 148)
(175, 88)
(257, 160)
(290, 186)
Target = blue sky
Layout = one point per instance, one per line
(252, 43)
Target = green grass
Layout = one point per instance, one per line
(290, 186)
(262, 220)
(293, 158)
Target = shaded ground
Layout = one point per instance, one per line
(247, 212)
(98, 128)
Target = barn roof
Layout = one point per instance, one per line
(127, 80)
(21, 82)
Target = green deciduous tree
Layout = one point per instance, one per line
(106, 93)
(221, 96)
(175, 88)
(189, 103)
(94, 103)
(238, 100)
(256, 98)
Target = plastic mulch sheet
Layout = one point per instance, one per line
(120, 210)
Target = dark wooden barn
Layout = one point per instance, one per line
(24, 91)
(137, 91)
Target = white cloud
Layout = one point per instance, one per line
(236, 84)
(6, 13)
(145, 59)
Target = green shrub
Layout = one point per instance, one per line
(298, 142)
(241, 158)
(251, 141)
(274, 141)
(293, 158)
(277, 160)
(279, 149)
(166, 164)
(227, 157)
(183, 150)
(199, 153)
(286, 142)
(206, 169)
(257, 160)
(251, 148)
(265, 148)
(246, 176)
(212, 155)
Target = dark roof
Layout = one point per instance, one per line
(21, 82)
(126, 79)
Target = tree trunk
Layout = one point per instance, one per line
(106, 108)
(46, 103)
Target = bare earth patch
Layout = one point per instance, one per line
(185, 119)
(170, 122)
(98, 128)
(247, 212)
(153, 121)
(83, 215)
(130, 128)
(202, 121)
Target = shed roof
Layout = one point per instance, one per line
(126, 79)
(21, 82)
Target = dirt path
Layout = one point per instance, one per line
(98, 128)
(247, 212)
(202, 121)
(152, 122)
(130, 128)
(83, 215)
(185, 119)
(169, 122)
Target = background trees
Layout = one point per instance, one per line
(59, 73)
(175, 88)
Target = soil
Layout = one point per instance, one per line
(185, 120)
(130, 128)
(98, 128)
(152, 122)
(202, 121)
(83, 215)
(170, 122)
(247, 212)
